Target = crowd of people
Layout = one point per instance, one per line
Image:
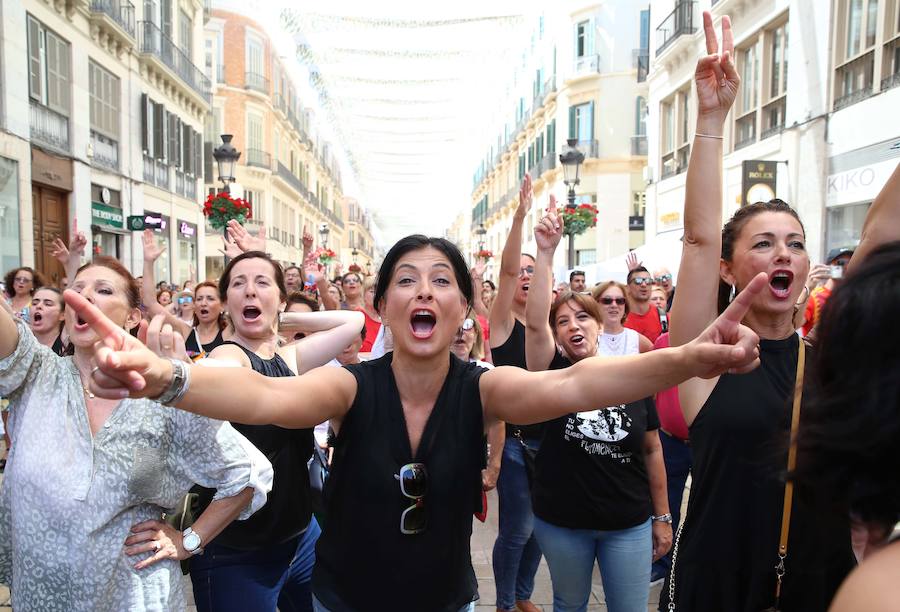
(300, 443)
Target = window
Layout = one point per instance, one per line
(254, 132)
(584, 38)
(640, 116)
(745, 124)
(186, 33)
(581, 122)
(776, 94)
(856, 33)
(104, 92)
(254, 57)
(48, 67)
(890, 57)
(675, 137)
(9, 214)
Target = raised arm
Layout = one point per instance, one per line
(152, 251)
(477, 276)
(501, 319)
(70, 256)
(9, 335)
(127, 368)
(314, 271)
(517, 396)
(331, 332)
(882, 222)
(539, 344)
(716, 83)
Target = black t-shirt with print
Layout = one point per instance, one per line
(590, 471)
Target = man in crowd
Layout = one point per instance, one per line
(663, 278)
(837, 260)
(642, 316)
(576, 281)
(293, 279)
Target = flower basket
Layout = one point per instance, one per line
(324, 256)
(483, 255)
(221, 208)
(578, 220)
(354, 268)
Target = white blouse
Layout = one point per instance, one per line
(70, 498)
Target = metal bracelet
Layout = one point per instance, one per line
(178, 386)
(709, 136)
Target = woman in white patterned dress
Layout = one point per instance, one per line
(84, 470)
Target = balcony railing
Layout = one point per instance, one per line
(639, 145)
(49, 127)
(890, 81)
(256, 82)
(106, 151)
(179, 182)
(546, 163)
(680, 21)
(154, 42)
(642, 63)
(290, 178)
(854, 81)
(590, 148)
(120, 11)
(280, 104)
(258, 158)
(587, 63)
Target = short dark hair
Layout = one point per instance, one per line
(9, 280)
(491, 283)
(297, 268)
(417, 242)
(225, 280)
(575, 273)
(301, 297)
(637, 270)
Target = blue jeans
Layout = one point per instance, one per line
(227, 579)
(623, 555)
(678, 460)
(516, 551)
(318, 607)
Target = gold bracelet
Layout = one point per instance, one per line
(709, 136)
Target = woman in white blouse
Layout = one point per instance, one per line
(617, 339)
(89, 479)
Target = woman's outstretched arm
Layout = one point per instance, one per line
(539, 344)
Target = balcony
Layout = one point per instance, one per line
(154, 43)
(121, 12)
(256, 82)
(546, 163)
(284, 173)
(590, 148)
(106, 151)
(185, 185)
(49, 128)
(587, 64)
(639, 144)
(641, 63)
(258, 159)
(680, 21)
(280, 104)
(853, 81)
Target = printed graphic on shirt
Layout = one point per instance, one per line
(596, 431)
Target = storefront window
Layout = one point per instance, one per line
(187, 250)
(845, 225)
(160, 226)
(9, 214)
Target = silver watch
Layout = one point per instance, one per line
(178, 386)
(191, 542)
(662, 518)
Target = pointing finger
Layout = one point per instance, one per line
(739, 307)
(712, 44)
(111, 334)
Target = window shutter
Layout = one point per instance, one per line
(187, 149)
(58, 71)
(575, 42)
(159, 132)
(114, 106)
(145, 128)
(589, 48)
(35, 83)
(573, 122)
(208, 162)
(590, 120)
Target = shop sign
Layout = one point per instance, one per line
(110, 216)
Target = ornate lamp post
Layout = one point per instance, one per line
(571, 159)
(323, 240)
(226, 157)
(480, 232)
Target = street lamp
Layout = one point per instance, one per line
(323, 234)
(226, 157)
(354, 253)
(571, 159)
(480, 232)
(368, 268)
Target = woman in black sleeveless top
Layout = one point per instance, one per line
(410, 426)
(209, 321)
(267, 560)
(725, 555)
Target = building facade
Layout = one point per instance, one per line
(819, 80)
(110, 128)
(581, 78)
(287, 171)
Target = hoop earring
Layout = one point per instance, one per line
(802, 299)
(732, 294)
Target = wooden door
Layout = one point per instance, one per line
(51, 220)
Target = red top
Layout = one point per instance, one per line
(814, 306)
(485, 327)
(668, 408)
(372, 327)
(646, 324)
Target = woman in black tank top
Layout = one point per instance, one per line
(410, 426)
(209, 321)
(266, 560)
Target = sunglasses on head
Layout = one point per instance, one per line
(413, 479)
(527, 269)
(639, 281)
(467, 325)
(185, 300)
(606, 301)
(663, 278)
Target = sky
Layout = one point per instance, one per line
(407, 91)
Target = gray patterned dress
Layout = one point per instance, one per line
(69, 498)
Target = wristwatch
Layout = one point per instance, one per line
(191, 542)
(662, 518)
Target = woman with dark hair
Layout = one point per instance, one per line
(48, 319)
(267, 561)
(115, 467)
(599, 487)
(741, 521)
(410, 426)
(20, 285)
(617, 339)
(208, 326)
(293, 279)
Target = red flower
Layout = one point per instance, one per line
(221, 209)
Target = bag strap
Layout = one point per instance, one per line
(791, 464)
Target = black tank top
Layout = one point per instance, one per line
(729, 543)
(363, 562)
(512, 353)
(193, 347)
(289, 506)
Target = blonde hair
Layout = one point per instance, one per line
(478, 346)
(600, 289)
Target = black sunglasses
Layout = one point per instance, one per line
(642, 280)
(527, 269)
(413, 479)
(606, 301)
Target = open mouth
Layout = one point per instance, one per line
(36, 317)
(576, 340)
(525, 287)
(251, 313)
(780, 283)
(80, 324)
(422, 323)
(203, 312)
